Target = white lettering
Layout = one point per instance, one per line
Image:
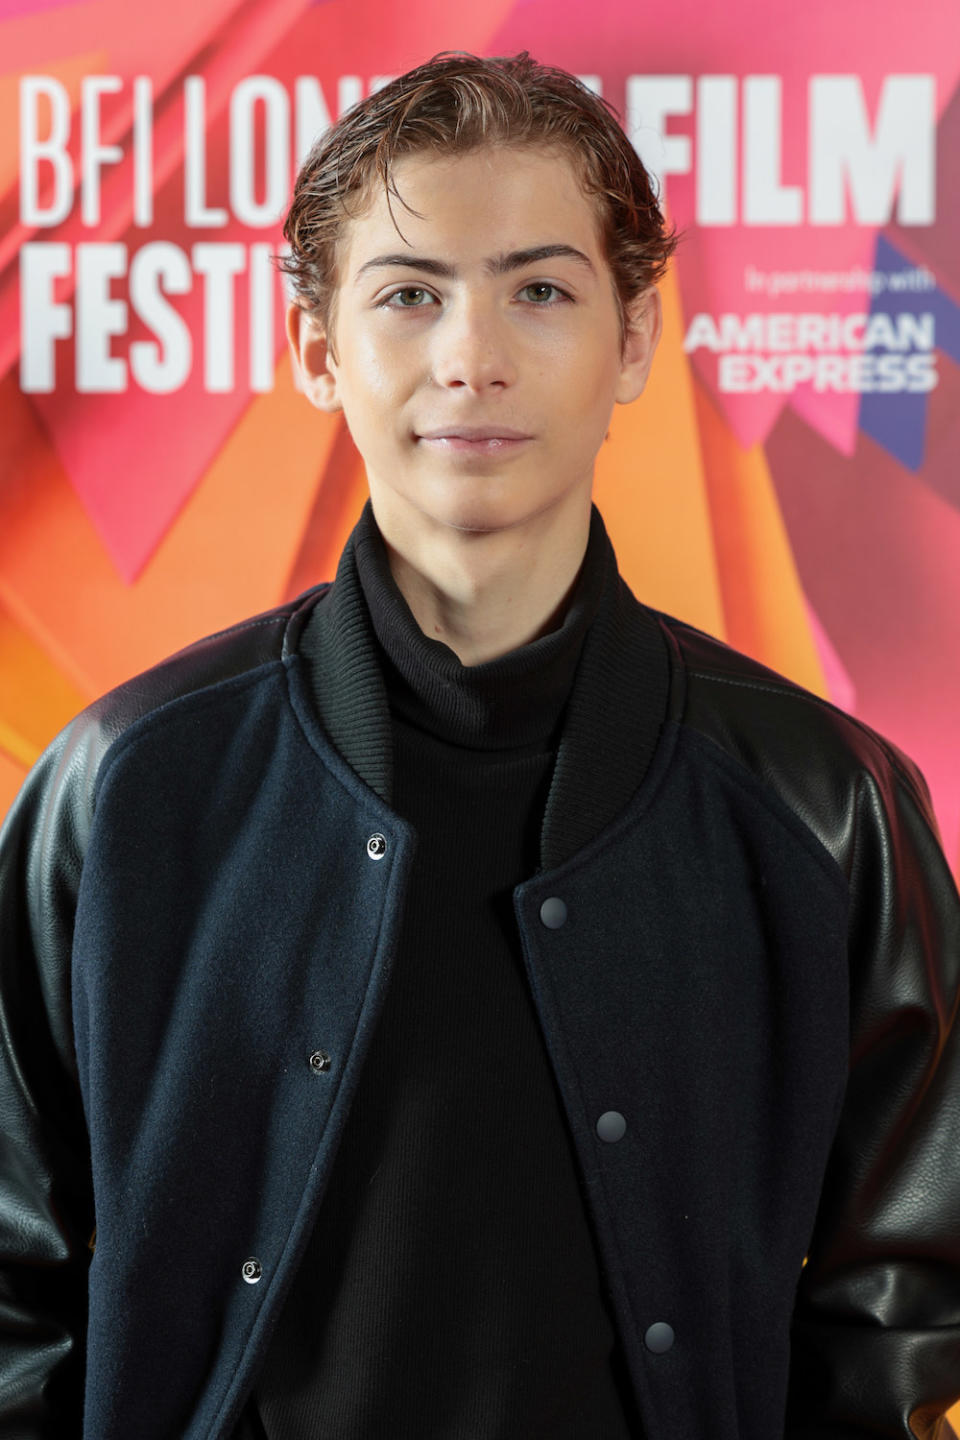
(915, 332)
(858, 374)
(196, 210)
(843, 154)
(831, 370)
(717, 150)
(218, 264)
(922, 373)
(262, 282)
(95, 155)
(812, 330)
(143, 151)
(765, 200)
(312, 116)
(780, 332)
(42, 319)
(650, 99)
(53, 149)
(155, 370)
(896, 161)
(702, 334)
(99, 317)
(254, 91)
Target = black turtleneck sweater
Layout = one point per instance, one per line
(451, 1289)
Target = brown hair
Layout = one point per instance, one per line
(456, 103)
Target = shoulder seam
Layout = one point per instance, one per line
(792, 691)
(786, 687)
(774, 804)
(903, 768)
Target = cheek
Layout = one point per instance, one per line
(584, 367)
(593, 383)
(376, 367)
(369, 383)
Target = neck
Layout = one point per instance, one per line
(485, 593)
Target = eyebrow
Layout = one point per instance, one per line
(496, 265)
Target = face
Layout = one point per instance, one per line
(477, 359)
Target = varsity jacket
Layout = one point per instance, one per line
(744, 957)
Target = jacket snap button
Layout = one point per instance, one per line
(659, 1338)
(319, 1060)
(611, 1125)
(377, 847)
(553, 912)
(251, 1270)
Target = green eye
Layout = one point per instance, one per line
(402, 297)
(535, 291)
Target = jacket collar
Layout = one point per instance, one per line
(612, 725)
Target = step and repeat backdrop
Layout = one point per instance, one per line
(789, 482)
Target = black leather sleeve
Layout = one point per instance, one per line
(46, 1199)
(876, 1326)
(46, 1205)
(876, 1338)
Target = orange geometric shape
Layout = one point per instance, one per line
(230, 550)
(37, 699)
(763, 600)
(12, 775)
(650, 488)
(336, 510)
(227, 555)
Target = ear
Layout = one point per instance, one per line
(314, 364)
(644, 326)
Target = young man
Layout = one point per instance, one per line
(465, 1002)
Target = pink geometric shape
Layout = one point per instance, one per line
(31, 37)
(877, 551)
(833, 415)
(134, 457)
(936, 245)
(839, 685)
(712, 267)
(11, 8)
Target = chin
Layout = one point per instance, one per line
(465, 508)
(478, 519)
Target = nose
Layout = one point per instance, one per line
(473, 349)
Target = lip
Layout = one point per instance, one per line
(490, 441)
(475, 433)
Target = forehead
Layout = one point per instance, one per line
(494, 199)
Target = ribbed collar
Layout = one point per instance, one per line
(503, 704)
(611, 724)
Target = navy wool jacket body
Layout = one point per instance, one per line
(755, 965)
